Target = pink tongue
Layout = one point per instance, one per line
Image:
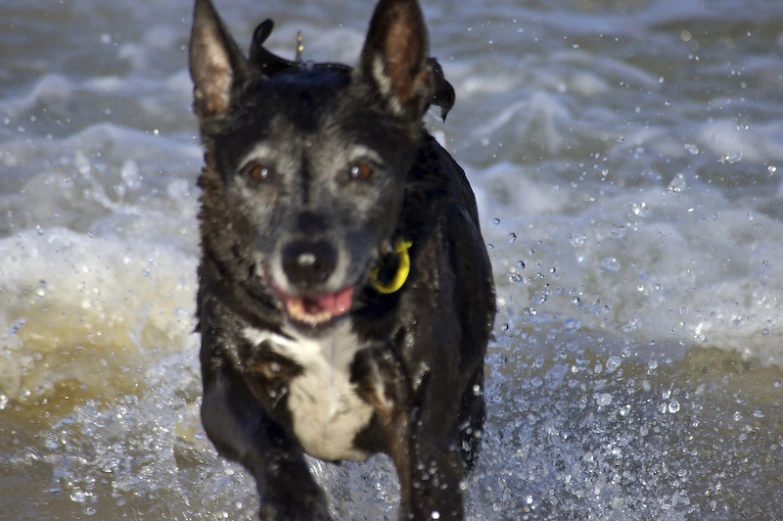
(335, 303)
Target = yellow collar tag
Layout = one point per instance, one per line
(400, 276)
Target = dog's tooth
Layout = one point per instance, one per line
(295, 308)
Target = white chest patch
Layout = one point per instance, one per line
(325, 409)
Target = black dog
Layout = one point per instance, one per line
(345, 293)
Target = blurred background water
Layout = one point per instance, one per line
(627, 158)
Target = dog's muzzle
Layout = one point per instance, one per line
(307, 266)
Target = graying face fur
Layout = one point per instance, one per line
(307, 165)
(314, 192)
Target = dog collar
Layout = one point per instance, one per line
(400, 276)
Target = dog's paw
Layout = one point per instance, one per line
(295, 509)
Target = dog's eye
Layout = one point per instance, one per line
(258, 172)
(361, 170)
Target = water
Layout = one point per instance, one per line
(627, 158)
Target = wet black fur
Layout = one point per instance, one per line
(426, 341)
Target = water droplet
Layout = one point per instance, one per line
(435, 515)
(730, 159)
(603, 399)
(640, 209)
(617, 231)
(737, 416)
(512, 237)
(16, 326)
(495, 221)
(678, 184)
(613, 363)
(631, 326)
(571, 324)
(693, 149)
(78, 496)
(674, 406)
(3, 401)
(610, 264)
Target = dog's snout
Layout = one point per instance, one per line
(308, 264)
(310, 223)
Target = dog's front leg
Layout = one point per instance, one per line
(241, 431)
(437, 471)
(423, 446)
(418, 436)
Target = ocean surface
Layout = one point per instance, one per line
(627, 157)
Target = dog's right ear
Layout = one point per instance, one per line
(217, 66)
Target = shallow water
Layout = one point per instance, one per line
(627, 159)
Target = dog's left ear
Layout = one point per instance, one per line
(394, 57)
(217, 66)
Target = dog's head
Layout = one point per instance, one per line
(306, 163)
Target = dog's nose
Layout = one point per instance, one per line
(308, 264)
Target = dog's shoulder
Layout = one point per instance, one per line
(436, 186)
(440, 214)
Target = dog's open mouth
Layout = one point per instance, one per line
(317, 309)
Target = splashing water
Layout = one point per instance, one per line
(630, 193)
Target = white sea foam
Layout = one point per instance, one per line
(76, 308)
(647, 265)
